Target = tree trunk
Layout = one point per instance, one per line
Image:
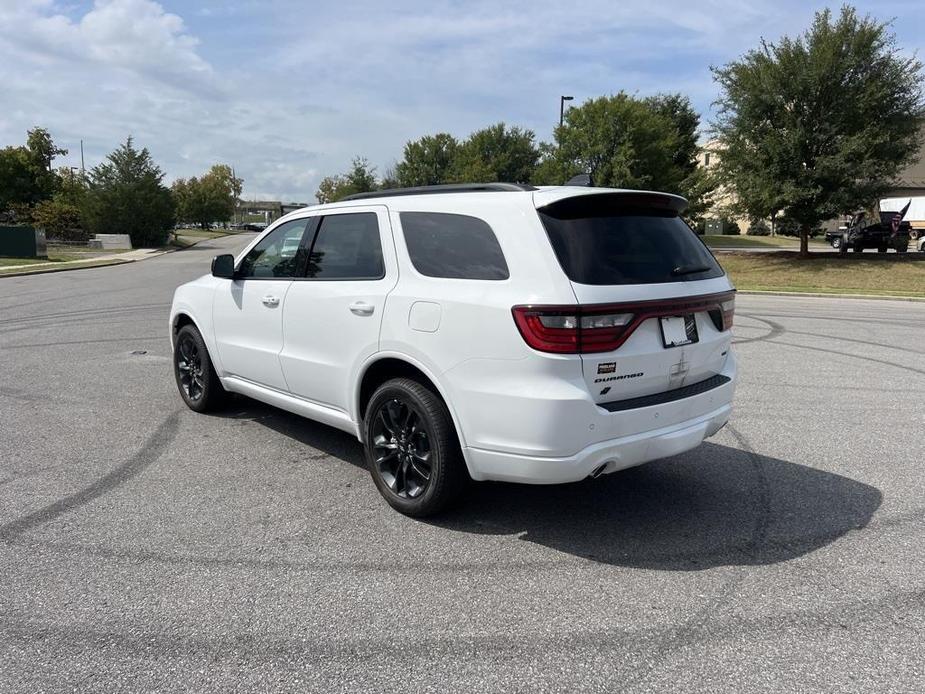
(804, 241)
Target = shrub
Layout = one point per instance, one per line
(60, 220)
(758, 227)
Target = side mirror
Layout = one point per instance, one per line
(223, 266)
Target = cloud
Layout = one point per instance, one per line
(289, 91)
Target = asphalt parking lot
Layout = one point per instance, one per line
(145, 547)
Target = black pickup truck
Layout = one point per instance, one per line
(889, 232)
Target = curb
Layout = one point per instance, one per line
(824, 295)
(88, 265)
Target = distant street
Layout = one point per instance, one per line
(144, 546)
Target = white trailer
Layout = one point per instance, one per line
(915, 215)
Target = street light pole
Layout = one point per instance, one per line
(562, 100)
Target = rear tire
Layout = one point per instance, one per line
(836, 243)
(412, 449)
(197, 381)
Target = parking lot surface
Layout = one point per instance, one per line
(145, 547)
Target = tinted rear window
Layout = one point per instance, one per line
(598, 241)
(453, 245)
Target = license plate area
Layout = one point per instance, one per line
(678, 330)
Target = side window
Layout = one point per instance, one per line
(347, 247)
(453, 245)
(280, 254)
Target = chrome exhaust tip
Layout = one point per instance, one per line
(598, 471)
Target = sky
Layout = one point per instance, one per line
(290, 91)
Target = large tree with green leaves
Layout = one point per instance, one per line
(126, 195)
(495, 153)
(820, 124)
(210, 198)
(361, 178)
(427, 161)
(26, 174)
(627, 142)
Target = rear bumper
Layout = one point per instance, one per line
(548, 431)
(616, 454)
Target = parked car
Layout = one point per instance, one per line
(484, 332)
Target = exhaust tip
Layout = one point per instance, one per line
(598, 471)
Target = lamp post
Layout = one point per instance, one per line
(562, 100)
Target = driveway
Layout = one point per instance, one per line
(145, 547)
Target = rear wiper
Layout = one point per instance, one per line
(689, 269)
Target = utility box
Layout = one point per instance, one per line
(22, 242)
(714, 227)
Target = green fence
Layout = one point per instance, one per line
(22, 242)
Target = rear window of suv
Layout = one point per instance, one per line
(599, 239)
(456, 246)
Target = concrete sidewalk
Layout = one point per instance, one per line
(107, 259)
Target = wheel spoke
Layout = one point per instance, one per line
(400, 448)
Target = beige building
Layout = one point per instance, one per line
(909, 183)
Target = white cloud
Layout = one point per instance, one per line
(288, 91)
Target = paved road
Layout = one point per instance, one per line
(145, 547)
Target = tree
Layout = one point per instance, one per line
(126, 195)
(211, 198)
(495, 153)
(625, 142)
(427, 161)
(360, 179)
(59, 216)
(819, 125)
(26, 175)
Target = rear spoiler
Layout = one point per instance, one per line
(573, 197)
(570, 200)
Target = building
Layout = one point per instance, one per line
(265, 211)
(909, 183)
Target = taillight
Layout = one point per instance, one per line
(729, 308)
(604, 327)
(570, 330)
(548, 330)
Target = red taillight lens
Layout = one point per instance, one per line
(604, 327)
(729, 308)
(570, 330)
(548, 330)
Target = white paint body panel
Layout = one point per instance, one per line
(521, 415)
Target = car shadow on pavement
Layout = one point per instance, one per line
(714, 506)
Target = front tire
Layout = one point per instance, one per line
(412, 449)
(197, 381)
(836, 243)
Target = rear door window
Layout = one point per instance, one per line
(600, 240)
(347, 247)
(455, 246)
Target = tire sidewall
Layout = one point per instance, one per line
(432, 413)
(204, 402)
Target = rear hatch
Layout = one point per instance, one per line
(654, 307)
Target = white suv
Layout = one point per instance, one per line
(484, 332)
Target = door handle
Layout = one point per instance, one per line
(270, 301)
(361, 308)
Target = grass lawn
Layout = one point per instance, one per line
(10, 266)
(883, 275)
(737, 241)
(203, 233)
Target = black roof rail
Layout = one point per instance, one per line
(446, 188)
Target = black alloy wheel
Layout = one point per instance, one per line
(401, 448)
(189, 368)
(197, 381)
(412, 450)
